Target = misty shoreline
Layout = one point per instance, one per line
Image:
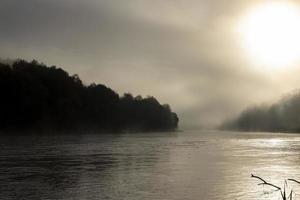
(282, 116)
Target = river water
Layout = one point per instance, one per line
(190, 165)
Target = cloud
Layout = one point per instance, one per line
(184, 52)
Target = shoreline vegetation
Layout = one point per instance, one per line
(285, 192)
(37, 97)
(283, 116)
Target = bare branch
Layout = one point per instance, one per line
(290, 179)
(265, 182)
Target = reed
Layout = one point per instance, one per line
(285, 192)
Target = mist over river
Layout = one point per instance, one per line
(190, 165)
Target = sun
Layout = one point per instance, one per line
(271, 34)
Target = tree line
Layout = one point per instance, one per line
(35, 96)
(283, 116)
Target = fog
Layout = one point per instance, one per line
(185, 53)
(282, 116)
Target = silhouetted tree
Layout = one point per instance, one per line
(36, 96)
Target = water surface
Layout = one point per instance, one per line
(192, 165)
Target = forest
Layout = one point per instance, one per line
(35, 96)
(282, 116)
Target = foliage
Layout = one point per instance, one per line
(34, 96)
(283, 116)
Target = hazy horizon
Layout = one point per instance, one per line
(189, 54)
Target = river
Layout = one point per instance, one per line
(190, 165)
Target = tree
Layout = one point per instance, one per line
(36, 96)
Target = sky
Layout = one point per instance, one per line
(187, 53)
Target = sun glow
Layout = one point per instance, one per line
(271, 34)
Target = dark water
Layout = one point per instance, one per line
(161, 166)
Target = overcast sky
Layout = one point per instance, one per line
(187, 53)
